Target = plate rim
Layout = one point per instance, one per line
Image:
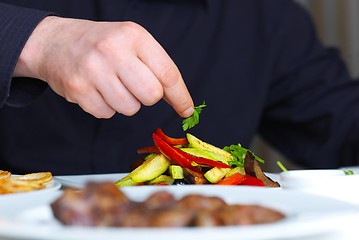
(50, 186)
(98, 233)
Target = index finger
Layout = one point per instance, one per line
(166, 71)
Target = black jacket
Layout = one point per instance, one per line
(257, 64)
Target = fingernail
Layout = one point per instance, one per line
(188, 112)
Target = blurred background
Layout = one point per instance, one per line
(337, 25)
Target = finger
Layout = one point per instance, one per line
(183, 102)
(118, 96)
(94, 104)
(140, 81)
(162, 66)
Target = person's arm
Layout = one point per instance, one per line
(103, 67)
(16, 25)
(312, 108)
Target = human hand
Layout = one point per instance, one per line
(104, 67)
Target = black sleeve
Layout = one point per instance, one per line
(312, 111)
(16, 25)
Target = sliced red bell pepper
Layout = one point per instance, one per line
(202, 160)
(172, 154)
(171, 140)
(150, 149)
(252, 181)
(234, 179)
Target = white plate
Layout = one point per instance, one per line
(51, 186)
(79, 181)
(25, 200)
(307, 215)
(326, 182)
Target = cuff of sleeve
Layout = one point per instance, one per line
(17, 25)
(24, 91)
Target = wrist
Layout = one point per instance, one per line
(30, 60)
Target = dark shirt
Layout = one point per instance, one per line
(258, 65)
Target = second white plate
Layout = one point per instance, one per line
(307, 215)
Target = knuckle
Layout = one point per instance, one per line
(99, 112)
(106, 44)
(170, 75)
(74, 86)
(126, 35)
(131, 110)
(132, 34)
(88, 63)
(106, 115)
(132, 29)
(153, 96)
(69, 98)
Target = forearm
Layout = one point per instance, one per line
(28, 64)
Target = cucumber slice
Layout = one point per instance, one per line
(206, 154)
(148, 170)
(195, 142)
(176, 172)
(125, 182)
(162, 179)
(215, 174)
(236, 170)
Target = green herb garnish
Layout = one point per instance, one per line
(239, 153)
(193, 120)
(348, 172)
(281, 166)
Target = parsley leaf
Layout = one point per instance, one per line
(193, 120)
(239, 153)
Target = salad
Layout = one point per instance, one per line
(190, 160)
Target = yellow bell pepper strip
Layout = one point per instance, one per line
(171, 140)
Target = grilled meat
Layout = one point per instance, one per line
(103, 204)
